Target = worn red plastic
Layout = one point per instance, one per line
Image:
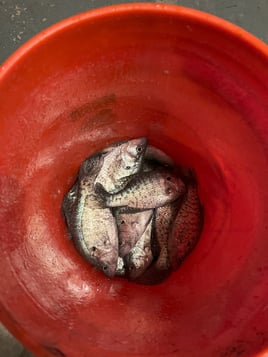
(197, 87)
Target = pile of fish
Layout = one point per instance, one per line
(133, 213)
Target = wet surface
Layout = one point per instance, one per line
(20, 20)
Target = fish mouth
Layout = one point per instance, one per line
(109, 270)
(108, 264)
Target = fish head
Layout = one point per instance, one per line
(173, 186)
(128, 231)
(130, 158)
(135, 148)
(104, 256)
(137, 263)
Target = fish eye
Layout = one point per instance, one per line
(122, 222)
(128, 167)
(105, 267)
(168, 178)
(139, 149)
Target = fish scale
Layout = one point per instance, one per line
(93, 227)
(149, 190)
(140, 257)
(186, 228)
(164, 218)
(120, 163)
(131, 226)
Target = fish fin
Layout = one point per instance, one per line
(99, 190)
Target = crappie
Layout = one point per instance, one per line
(99, 238)
(186, 227)
(70, 200)
(94, 228)
(88, 172)
(164, 217)
(149, 190)
(160, 268)
(131, 227)
(156, 155)
(140, 257)
(120, 163)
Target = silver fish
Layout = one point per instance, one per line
(164, 217)
(70, 200)
(154, 154)
(186, 228)
(94, 228)
(98, 237)
(121, 162)
(160, 269)
(149, 190)
(131, 227)
(120, 269)
(140, 257)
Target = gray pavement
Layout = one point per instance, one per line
(22, 19)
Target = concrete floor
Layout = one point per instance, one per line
(20, 20)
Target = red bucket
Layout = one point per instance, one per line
(197, 87)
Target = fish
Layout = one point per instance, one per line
(160, 268)
(120, 269)
(186, 228)
(94, 229)
(88, 171)
(164, 217)
(98, 238)
(154, 154)
(149, 190)
(140, 257)
(69, 204)
(131, 227)
(69, 207)
(121, 162)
